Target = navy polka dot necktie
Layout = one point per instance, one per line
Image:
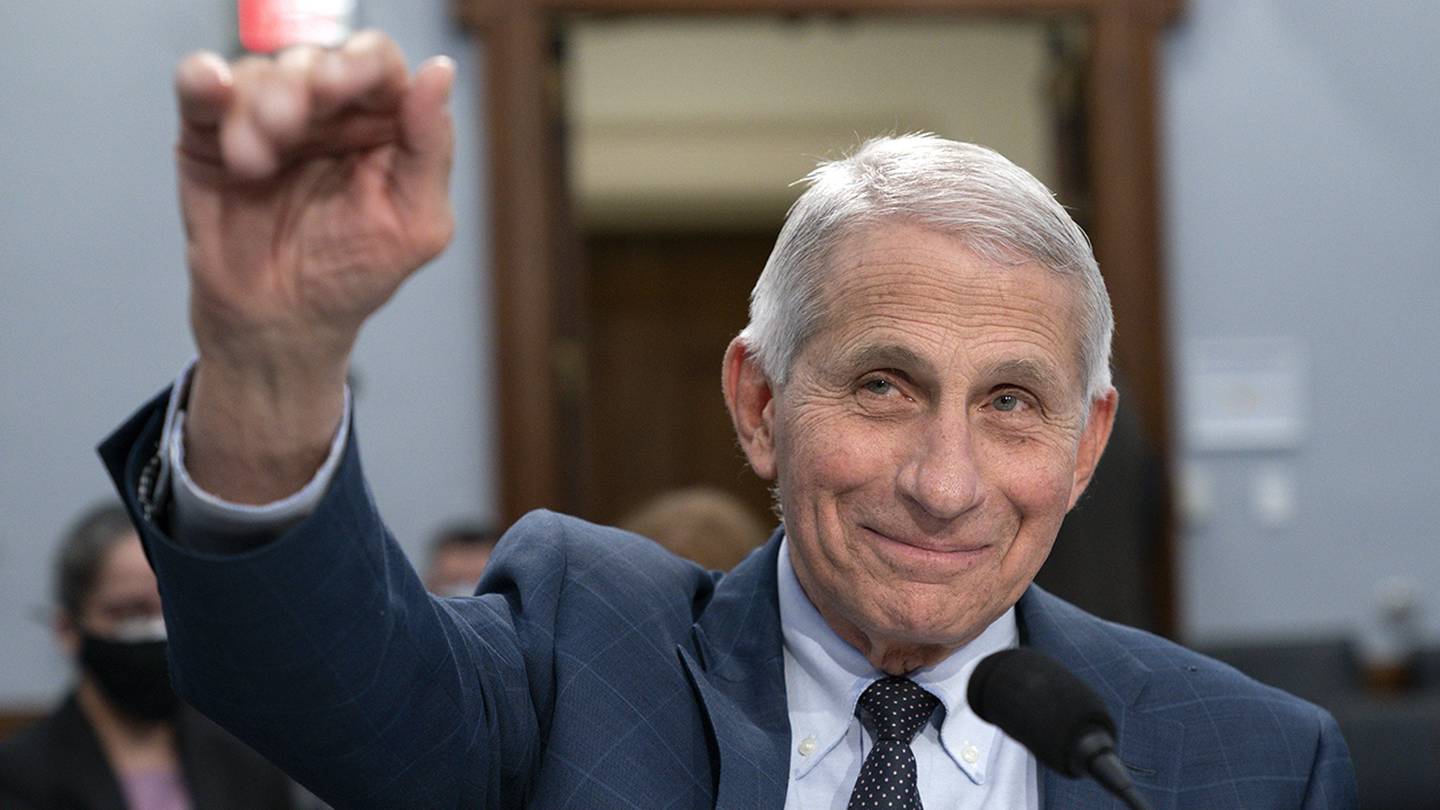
(899, 709)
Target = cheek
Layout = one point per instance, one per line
(822, 453)
(823, 466)
(1036, 475)
(1038, 490)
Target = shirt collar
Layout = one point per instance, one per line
(829, 674)
(971, 743)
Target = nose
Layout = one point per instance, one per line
(941, 475)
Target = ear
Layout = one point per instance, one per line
(749, 397)
(1093, 438)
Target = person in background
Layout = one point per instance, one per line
(704, 524)
(458, 556)
(122, 739)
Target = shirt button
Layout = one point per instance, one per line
(807, 746)
(970, 754)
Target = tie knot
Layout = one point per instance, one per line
(898, 707)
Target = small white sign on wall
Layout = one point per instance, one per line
(1242, 394)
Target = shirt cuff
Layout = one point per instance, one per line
(207, 522)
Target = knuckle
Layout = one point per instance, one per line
(367, 39)
(297, 60)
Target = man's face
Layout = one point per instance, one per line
(455, 570)
(929, 440)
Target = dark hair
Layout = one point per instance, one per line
(82, 550)
(464, 535)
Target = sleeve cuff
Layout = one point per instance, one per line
(205, 521)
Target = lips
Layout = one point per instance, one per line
(927, 545)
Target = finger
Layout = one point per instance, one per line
(299, 59)
(425, 124)
(199, 144)
(348, 134)
(282, 96)
(204, 88)
(426, 128)
(204, 91)
(422, 164)
(279, 105)
(248, 151)
(368, 71)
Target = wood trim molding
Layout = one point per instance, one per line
(523, 259)
(14, 719)
(481, 13)
(1124, 163)
(524, 207)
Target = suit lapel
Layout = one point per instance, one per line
(1149, 745)
(737, 668)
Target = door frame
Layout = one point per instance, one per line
(534, 360)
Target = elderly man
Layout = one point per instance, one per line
(924, 377)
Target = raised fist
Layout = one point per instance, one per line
(312, 185)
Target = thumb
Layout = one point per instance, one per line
(426, 130)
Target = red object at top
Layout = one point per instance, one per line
(267, 26)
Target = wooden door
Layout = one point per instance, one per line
(661, 309)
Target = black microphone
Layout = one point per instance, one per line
(1035, 700)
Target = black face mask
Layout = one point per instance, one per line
(133, 675)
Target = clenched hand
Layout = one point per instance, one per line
(311, 185)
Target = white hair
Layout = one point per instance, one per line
(996, 208)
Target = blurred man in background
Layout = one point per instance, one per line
(458, 556)
(122, 739)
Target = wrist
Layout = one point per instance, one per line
(256, 433)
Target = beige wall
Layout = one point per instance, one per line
(708, 121)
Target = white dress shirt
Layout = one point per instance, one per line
(207, 522)
(961, 761)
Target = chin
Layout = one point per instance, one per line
(916, 626)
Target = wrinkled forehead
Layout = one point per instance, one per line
(884, 282)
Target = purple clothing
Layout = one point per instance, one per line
(157, 789)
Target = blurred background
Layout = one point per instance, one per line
(1261, 179)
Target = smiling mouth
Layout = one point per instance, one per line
(924, 548)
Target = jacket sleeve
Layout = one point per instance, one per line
(322, 650)
(1332, 775)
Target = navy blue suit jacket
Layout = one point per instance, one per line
(596, 670)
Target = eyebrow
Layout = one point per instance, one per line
(1025, 372)
(886, 355)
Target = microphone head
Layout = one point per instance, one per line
(1035, 700)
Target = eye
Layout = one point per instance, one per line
(1012, 402)
(878, 386)
(884, 392)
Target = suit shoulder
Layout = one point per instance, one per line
(1177, 673)
(1197, 718)
(565, 551)
(583, 545)
(1177, 667)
